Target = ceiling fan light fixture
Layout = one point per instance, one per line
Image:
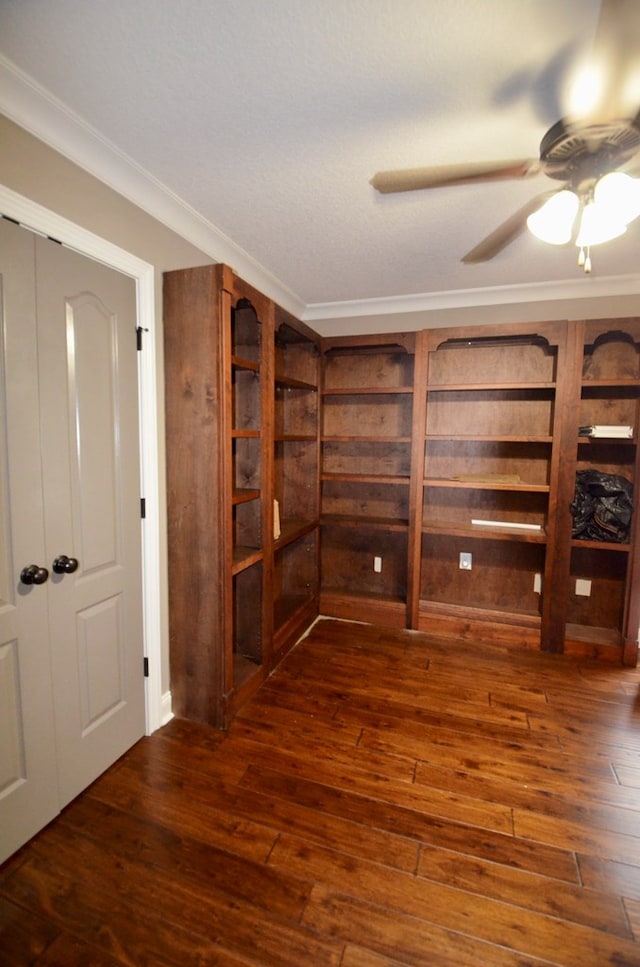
(553, 223)
(597, 225)
(619, 194)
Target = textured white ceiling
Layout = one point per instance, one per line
(267, 118)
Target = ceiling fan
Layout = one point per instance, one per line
(593, 141)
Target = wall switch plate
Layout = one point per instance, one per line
(377, 565)
(465, 561)
(583, 587)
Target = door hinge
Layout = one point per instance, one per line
(139, 331)
(146, 666)
(143, 507)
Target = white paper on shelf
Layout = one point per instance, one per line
(603, 430)
(507, 523)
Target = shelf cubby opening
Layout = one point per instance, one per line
(610, 406)
(387, 415)
(295, 411)
(295, 579)
(296, 356)
(247, 525)
(245, 455)
(452, 459)
(461, 506)
(500, 413)
(509, 359)
(501, 578)
(609, 456)
(295, 479)
(245, 399)
(347, 566)
(359, 500)
(247, 615)
(381, 368)
(246, 332)
(611, 356)
(605, 571)
(366, 458)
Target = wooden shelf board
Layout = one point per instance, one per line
(395, 600)
(244, 557)
(481, 387)
(373, 523)
(622, 382)
(456, 529)
(465, 610)
(294, 438)
(596, 636)
(291, 529)
(370, 346)
(608, 440)
(365, 478)
(287, 382)
(482, 485)
(387, 610)
(351, 438)
(242, 496)
(602, 545)
(488, 438)
(245, 434)
(366, 390)
(241, 363)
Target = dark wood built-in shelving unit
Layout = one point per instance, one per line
(347, 475)
(242, 432)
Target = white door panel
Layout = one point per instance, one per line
(28, 774)
(88, 386)
(71, 487)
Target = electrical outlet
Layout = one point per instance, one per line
(465, 561)
(377, 565)
(583, 587)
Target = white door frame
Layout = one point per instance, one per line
(44, 221)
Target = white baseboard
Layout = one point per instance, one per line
(165, 708)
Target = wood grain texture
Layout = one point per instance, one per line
(386, 799)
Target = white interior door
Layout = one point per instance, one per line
(81, 370)
(28, 772)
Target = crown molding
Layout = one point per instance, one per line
(586, 287)
(36, 110)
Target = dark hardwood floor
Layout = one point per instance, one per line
(386, 799)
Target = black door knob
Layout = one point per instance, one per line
(65, 565)
(32, 574)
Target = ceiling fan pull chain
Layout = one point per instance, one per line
(584, 258)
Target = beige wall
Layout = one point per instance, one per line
(32, 169)
(601, 307)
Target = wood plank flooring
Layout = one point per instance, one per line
(386, 799)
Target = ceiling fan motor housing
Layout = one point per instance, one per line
(580, 154)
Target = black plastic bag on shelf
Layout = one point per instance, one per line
(602, 507)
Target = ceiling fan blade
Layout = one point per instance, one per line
(505, 233)
(609, 89)
(441, 176)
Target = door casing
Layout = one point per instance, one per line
(43, 220)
